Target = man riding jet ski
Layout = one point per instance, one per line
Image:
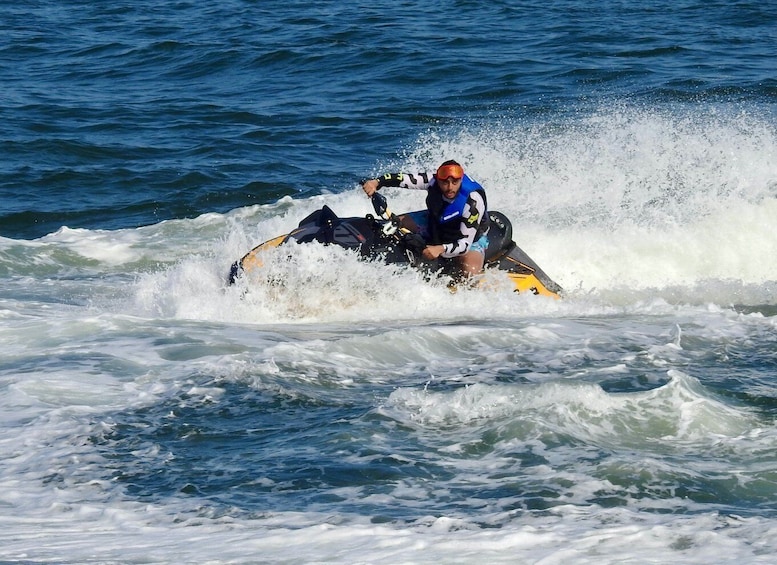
(456, 236)
(456, 224)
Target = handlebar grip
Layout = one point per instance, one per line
(380, 204)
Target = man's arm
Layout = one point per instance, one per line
(414, 181)
(472, 218)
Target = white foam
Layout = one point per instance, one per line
(567, 534)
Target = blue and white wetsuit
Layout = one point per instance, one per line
(459, 225)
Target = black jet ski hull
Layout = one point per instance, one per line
(369, 236)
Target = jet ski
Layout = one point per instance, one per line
(385, 237)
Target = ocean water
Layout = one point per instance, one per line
(149, 413)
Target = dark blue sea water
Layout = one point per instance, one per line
(356, 413)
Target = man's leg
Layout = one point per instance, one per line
(471, 263)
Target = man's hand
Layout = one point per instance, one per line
(370, 186)
(432, 252)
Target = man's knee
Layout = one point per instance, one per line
(472, 263)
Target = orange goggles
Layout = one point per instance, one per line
(448, 171)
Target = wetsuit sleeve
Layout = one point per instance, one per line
(415, 181)
(471, 219)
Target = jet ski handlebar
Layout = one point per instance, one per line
(380, 205)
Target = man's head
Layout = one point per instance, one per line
(449, 176)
